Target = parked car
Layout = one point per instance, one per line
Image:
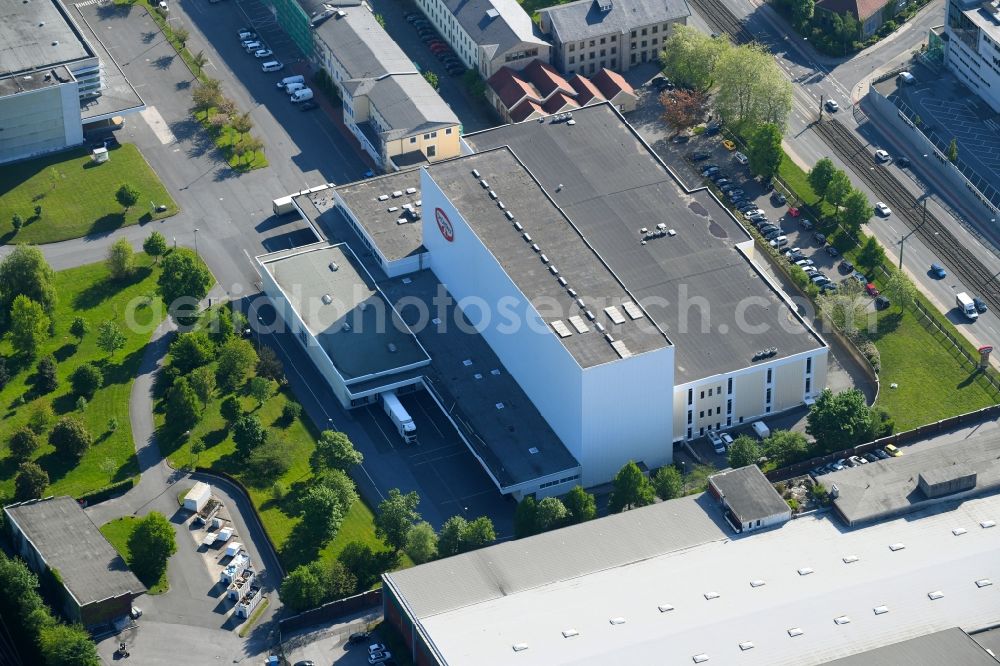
(728, 145)
(882, 303)
(358, 637)
(792, 250)
(829, 286)
(801, 263)
(882, 209)
(851, 462)
(246, 34)
(832, 106)
(262, 53)
(805, 224)
(771, 235)
(793, 211)
(308, 106)
(980, 304)
(902, 162)
(778, 198)
(881, 454)
(768, 228)
(819, 238)
(819, 279)
(796, 256)
(779, 241)
(253, 46)
(681, 138)
(881, 155)
(845, 266)
(712, 130)
(870, 457)
(735, 193)
(893, 451)
(938, 271)
(872, 290)
(832, 251)
(699, 156)
(716, 442)
(376, 647)
(740, 157)
(727, 439)
(379, 657)
(840, 464)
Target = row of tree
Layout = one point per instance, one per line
(747, 87)
(834, 186)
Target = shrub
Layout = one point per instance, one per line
(290, 412)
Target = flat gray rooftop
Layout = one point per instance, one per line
(472, 381)
(395, 241)
(653, 568)
(38, 35)
(696, 284)
(546, 242)
(90, 567)
(344, 309)
(11, 85)
(888, 487)
(950, 646)
(117, 94)
(749, 494)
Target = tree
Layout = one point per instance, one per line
(191, 350)
(222, 324)
(23, 443)
(120, 260)
(30, 482)
(820, 176)
(86, 379)
(237, 359)
(183, 282)
(64, 645)
(242, 123)
(880, 424)
(526, 518)
(682, 108)
(631, 489)
(422, 543)
(25, 272)
(4, 373)
(202, 381)
(431, 78)
(341, 485)
(46, 377)
(478, 533)
(155, 245)
(251, 145)
(321, 513)
(838, 188)
(183, 406)
(40, 418)
(79, 329)
(581, 505)
(150, 545)
(127, 196)
(953, 151)
(848, 308)
(872, 254)
(365, 564)
(290, 412)
(335, 451)
(899, 289)
(743, 451)
(785, 447)
(765, 151)
(552, 513)
(269, 365)
(182, 35)
(199, 60)
(29, 326)
(689, 57)
(248, 433)
(396, 516)
(17, 222)
(752, 89)
(231, 409)
(668, 482)
(802, 11)
(261, 389)
(857, 211)
(305, 587)
(839, 421)
(110, 337)
(459, 535)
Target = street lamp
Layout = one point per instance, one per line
(196, 241)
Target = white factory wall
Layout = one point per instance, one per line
(624, 415)
(543, 367)
(40, 121)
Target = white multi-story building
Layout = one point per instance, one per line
(972, 32)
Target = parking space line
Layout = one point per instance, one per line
(368, 411)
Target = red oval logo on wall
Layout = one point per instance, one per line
(444, 225)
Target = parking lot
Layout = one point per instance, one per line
(327, 643)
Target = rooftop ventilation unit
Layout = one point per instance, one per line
(599, 326)
(500, 205)
(327, 299)
(475, 173)
(485, 185)
(746, 645)
(383, 197)
(848, 559)
(467, 362)
(571, 292)
(570, 633)
(393, 209)
(527, 237)
(333, 266)
(795, 631)
(700, 658)
(517, 225)
(544, 259)
(986, 524)
(535, 247)
(843, 619)
(959, 531)
(935, 595)
(499, 405)
(757, 583)
(579, 302)
(495, 372)
(391, 347)
(554, 270)
(984, 582)
(617, 620)
(711, 595)
(579, 324)
(411, 190)
(562, 281)
(897, 546)
(492, 14)
(519, 647)
(805, 571)
(477, 376)
(571, 122)
(880, 610)
(590, 315)
(665, 608)
(561, 329)
(610, 338)
(397, 193)
(346, 327)
(510, 215)
(341, 13)
(493, 195)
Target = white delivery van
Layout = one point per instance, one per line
(292, 87)
(965, 304)
(907, 78)
(272, 66)
(760, 429)
(298, 78)
(302, 95)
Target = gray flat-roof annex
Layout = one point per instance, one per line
(748, 494)
(346, 312)
(548, 260)
(712, 302)
(889, 487)
(38, 35)
(948, 646)
(69, 542)
(117, 95)
(395, 241)
(505, 429)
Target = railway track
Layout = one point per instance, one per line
(720, 17)
(931, 230)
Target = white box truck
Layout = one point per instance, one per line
(400, 417)
(965, 304)
(197, 497)
(760, 429)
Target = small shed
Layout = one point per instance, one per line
(751, 502)
(99, 155)
(197, 497)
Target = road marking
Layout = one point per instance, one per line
(388, 441)
(430, 418)
(158, 125)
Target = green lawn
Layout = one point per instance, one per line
(88, 292)
(77, 196)
(277, 511)
(118, 532)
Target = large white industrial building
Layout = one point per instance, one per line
(629, 311)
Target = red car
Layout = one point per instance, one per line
(872, 290)
(793, 211)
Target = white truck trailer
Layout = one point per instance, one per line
(400, 417)
(965, 304)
